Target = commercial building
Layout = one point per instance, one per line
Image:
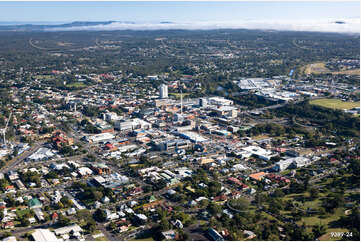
(41, 154)
(10, 238)
(112, 181)
(100, 137)
(75, 229)
(203, 102)
(276, 95)
(132, 124)
(227, 111)
(171, 144)
(194, 137)
(255, 83)
(163, 91)
(44, 235)
(221, 101)
(255, 150)
(282, 165)
(292, 163)
(111, 116)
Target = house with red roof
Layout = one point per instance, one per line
(257, 176)
(8, 225)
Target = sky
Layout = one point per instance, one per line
(206, 14)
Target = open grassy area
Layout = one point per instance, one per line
(21, 213)
(316, 68)
(314, 220)
(44, 77)
(76, 85)
(202, 222)
(334, 103)
(285, 172)
(178, 95)
(354, 72)
(103, 238)
(320, 68)
(259, 137)
(143, 239)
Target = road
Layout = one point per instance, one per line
(21, 231)
(16, 161)
(278, 105)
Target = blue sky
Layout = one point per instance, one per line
(175, 11)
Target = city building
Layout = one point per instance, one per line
(44, 235)
(132, 124)
(103, 137)
(163, 91)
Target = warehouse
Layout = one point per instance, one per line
(44, 235)
(100, 138)
(194, 137)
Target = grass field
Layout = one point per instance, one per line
(334, 103)
(347, 72)
(259, 137)
(178, 95)
(320, 68)
(143, 239)
(314, 220)
(103, 238)
(44, 77)
(316, 68)
(76, 85)
(328, 220)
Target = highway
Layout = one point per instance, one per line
(17, 160)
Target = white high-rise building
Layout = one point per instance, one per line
(163, 91)
(203, 102)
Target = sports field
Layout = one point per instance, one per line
(334, 103)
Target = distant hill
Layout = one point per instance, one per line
(42, 27)
(336, 26)
(340, 22)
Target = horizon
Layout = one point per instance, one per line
(294, 16)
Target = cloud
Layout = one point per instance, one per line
(320, 25)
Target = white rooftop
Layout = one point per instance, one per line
(44, 235)
(67, 229)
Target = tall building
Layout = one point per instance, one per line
(163, 91)
(203, 102)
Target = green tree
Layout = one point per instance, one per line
(91, 226)
(164, 224)
(318, 230)
(63, 220)
(100, 215)
(25, 222)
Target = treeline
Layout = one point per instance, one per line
(335, 121)
(273, 129)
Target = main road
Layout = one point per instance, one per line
(17, 160)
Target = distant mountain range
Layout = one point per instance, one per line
(337, 25)
(14, 26)
(21, 26)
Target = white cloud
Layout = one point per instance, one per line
(321, 25)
